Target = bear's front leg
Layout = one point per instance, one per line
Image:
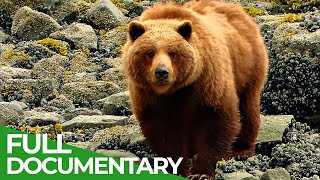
(215, 141)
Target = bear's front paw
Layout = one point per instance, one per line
(200, 177)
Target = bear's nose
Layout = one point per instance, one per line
(162, 72)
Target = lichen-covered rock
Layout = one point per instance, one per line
(116, 76)
(32, 25)
(7, 72)
(61, 102)
(69, 114)
(273, 127)
(87, 93)
(62, 10)
(4, 37)
(105, 121)
(11, 112)
(29, 91)
(104, 14)
(79, 34)
(48, 68)
(116, 153)
(112, 41)
(80, 63)
(11, 6)
(273, 174)
(70, 76)
(117, 104)
(238, 175)
(34, 118)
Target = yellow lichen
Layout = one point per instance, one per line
(86, 51)
(252, 11)
(289, 34)
(90, 1)
(35, 130)
(80, 131)
(58, 127)
(23, 128)
(118, 3)
(54, 45)
(24, 55)
(68, 73)
(270, 20)
(293, 4)
(103, 31)
(9, 54)
(52, 136)
(291, 18)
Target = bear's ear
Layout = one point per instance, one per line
(136, 29)
(185, 29)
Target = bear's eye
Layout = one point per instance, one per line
(150, 53)
(172, 54)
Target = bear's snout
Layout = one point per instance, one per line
(162, 73)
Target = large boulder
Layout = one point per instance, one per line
(80, 35)
(11, 112)
(32, 25)
(105, 14)
(86, 93)
(106, 121)
(62, 10)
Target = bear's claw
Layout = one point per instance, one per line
(199, 177)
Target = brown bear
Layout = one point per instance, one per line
(195, 73)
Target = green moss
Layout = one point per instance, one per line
(54, 45)
(291, 18)
(252, 11)
(118, 3)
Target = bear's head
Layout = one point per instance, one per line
(161, 55)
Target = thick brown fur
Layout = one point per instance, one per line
(209, 106)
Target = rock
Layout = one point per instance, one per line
(69, 77)
(274, 174)
(32, 25)
(43, 87)
(11, 112)
(82, 145)
(69, 114)
(116, 153)
(80, 63)
(79, 34)
(62, 10)
(238, 175)
(116, 104)
(86, 93)
(116, 76)
(134, 8)
(14, 73)
(105, 14)
(61, 102)
(4, 37)
(273, 127)
(11, 6)
(34, 118)
(113, 40)
(95, 121)
(48, 68)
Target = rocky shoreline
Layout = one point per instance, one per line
(60, 72)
